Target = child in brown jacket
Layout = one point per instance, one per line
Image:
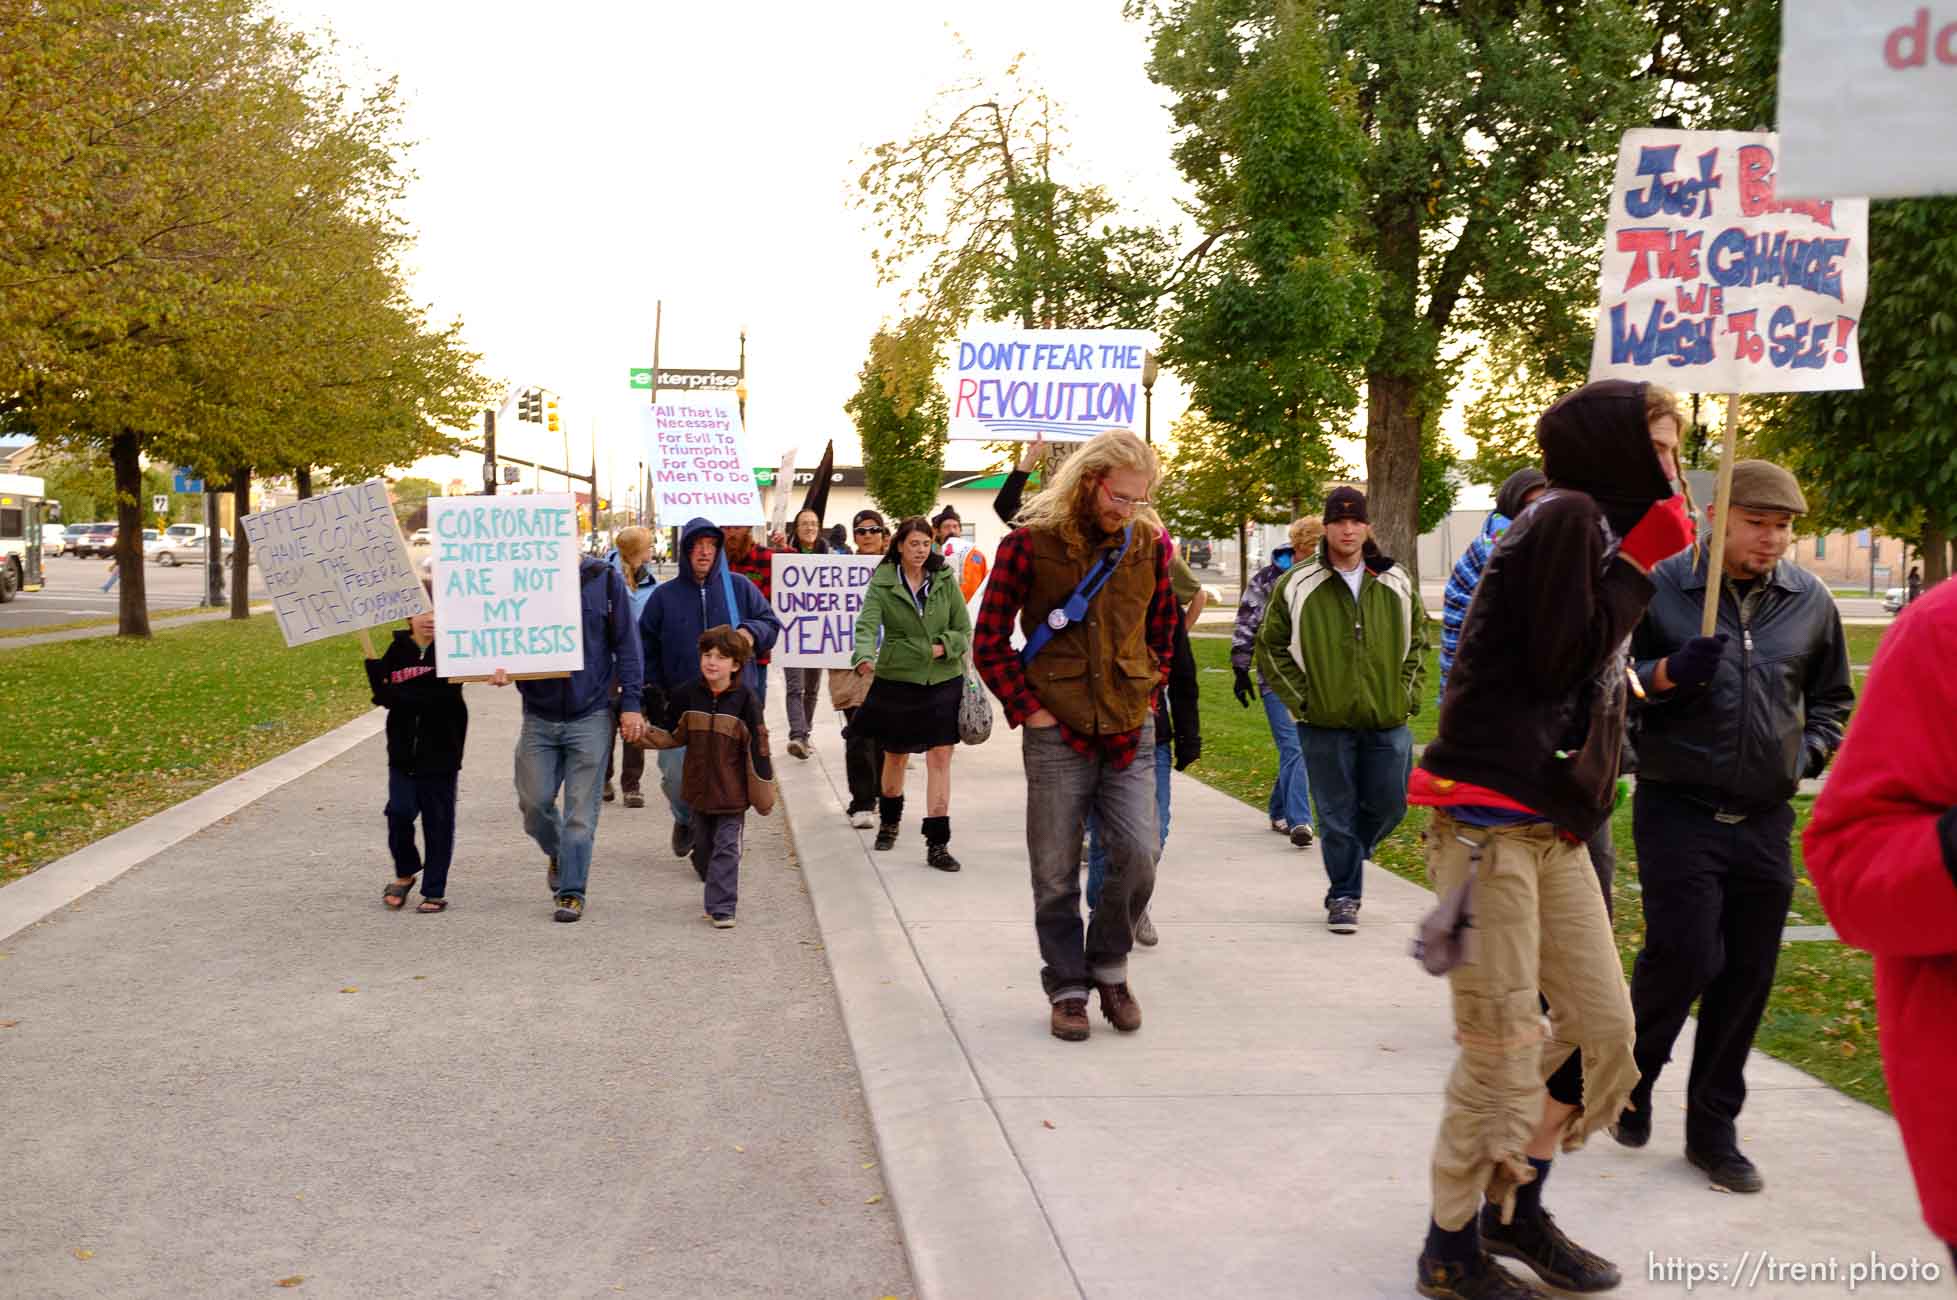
(718, 722)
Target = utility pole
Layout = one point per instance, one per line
(489, 453)
(213, 553)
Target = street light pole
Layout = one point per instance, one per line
(740, 386)
(1149, 371)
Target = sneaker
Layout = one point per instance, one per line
(550, 874)
(1633, 1127)
(937, 855)
(863, 819)
(1342, 916)
(610, 793)
(1482, 1280)
(1729, 1170)
(633, 799)
(682, 839)
(1120, 1007)
(887, 836)
(723, 921)
(1301, 836)
(1145, 932)
(569, 907)
(1538, 1242)
(1070, 1019)
(1280, 825)
(798, 749)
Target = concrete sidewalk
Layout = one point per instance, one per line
(1267, 1131)
(231, 1066)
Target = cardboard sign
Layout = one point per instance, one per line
(1013, 385)
(335, 563)
(700, 461)
(1713, 284)
(1867, 95)
(817, 599)
(506, 584)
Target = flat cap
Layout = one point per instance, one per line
(1763, 485)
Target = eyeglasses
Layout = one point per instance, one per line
(1120, 502)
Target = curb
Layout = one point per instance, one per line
(972, 1223)
(39, 895)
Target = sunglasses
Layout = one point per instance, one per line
(869, 532)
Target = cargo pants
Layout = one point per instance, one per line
(1539, 924)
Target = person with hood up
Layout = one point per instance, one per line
(1523, 770)
(1344, 645)
(1882, 851)
(1290, 802)
(703, 595)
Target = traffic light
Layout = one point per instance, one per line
(551, 406)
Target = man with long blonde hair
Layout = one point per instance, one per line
(1086, 576)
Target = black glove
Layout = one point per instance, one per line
(1817, 760)
(1245, 689)
(1693, 663)
(1188, 752)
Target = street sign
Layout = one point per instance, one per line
(642, 377)
(183, 482)
(694, 381)
(159, 503)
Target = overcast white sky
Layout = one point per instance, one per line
(579, 161)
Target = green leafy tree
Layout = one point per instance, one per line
(1210, 489)
(900, 417)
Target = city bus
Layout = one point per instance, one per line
(22, 507)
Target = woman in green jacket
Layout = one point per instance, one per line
(913, 633)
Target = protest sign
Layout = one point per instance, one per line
(1867, 94)
(1713, 284)
(335, 563)
(1013, 385)
(700, 461)
(506, 585)
(817, 599)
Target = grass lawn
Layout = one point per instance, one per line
(103, 732)
(1821, 1017)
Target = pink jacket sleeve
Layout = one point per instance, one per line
(1873, 846)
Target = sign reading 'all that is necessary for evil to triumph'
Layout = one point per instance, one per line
(335, 563)
(506, 584)
(817, 599)
(1014, 385)
(1713, 284)
(698, 451)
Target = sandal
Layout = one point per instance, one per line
(396, 894)
(433, 905)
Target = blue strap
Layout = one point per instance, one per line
(1084, 594)
(727, 588)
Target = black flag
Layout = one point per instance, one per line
(818, 497)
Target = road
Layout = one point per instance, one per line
(74, 592)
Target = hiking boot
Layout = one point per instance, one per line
(887, 836)
(1301, 836)
(1070, 1019)
(682, 839)
(1120, 1007)
(863, 818)
(1538, 1242)
(550, 875)
(1145, 932)
(723, 921)
(1342, 916)
(1633, 1127)
(798, 748)
(610, 793)
(1482, 1280)
(569, 907)
(939, 856)
(633, 799)
(1729, 1170)
(1280, 825)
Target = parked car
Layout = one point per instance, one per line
(152, 538)
(188, 547)
(98, 540)
(1199, 553)
(421, 538)
(1894, 599)
(54, 540)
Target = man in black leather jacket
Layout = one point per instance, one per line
(1729, 729)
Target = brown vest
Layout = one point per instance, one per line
(1097, 675)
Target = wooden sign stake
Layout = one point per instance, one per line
(1722, 502)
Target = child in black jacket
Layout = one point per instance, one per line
(426, 725)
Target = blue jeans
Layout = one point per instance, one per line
(1291, 792)
(1361, 780)
(672, 768)
(570, 755)
(1097, 855)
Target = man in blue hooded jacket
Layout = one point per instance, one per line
(567, 734)
(704, 595)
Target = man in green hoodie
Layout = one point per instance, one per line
(1344, 645)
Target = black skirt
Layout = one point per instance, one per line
(906, 718)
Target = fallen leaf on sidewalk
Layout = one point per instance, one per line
(739, 1147)
(1046, 1123)
(79, 1253)
(351, 988)
(869, 1164)
(874, 1199)
(290, 1282)
(8, 1024)
(421, 977)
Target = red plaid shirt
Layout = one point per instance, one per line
(758, 567)
(998, 663)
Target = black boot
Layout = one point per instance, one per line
(937, 835)
(1538, 1242)
(890, 811)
